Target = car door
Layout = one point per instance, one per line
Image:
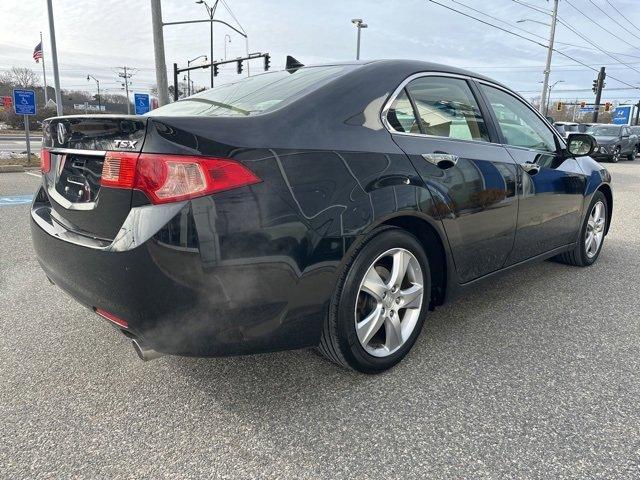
(625, 140)
(550, 186)
(436, 120)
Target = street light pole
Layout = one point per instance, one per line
(158, 51)
(359, 25)
(549, 96)
(98, 84)
(211, 11)
(189, 72)
(227, 37)
(547, 68)
(54, 58)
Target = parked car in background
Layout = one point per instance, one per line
(635, 132)
(614, 142)
(330, 206)
(566, 128)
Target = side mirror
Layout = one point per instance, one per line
(581, 144)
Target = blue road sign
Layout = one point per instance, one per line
(141, 101)
(24, 102)
(622, 115)
(587, 109)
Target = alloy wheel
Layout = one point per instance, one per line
(389, 302)
(595, 229)
(616, 155)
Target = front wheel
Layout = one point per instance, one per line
(380, 303)
(615, 158)
(592, 234)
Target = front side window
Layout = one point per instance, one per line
(446, 107)
(520, 125)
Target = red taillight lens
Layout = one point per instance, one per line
(119, 169)
(112, 318)
(45, 160)
(173, 178)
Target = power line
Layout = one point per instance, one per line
(530, 40)
(613, 19)
(623, 16)
(597, 24)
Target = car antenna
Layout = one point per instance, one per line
(292, 64)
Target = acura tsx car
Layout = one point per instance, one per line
(326, 206)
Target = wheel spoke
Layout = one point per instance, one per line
(399, 268)
(597, 239)
(370, 325)
(393, 330)
(412, 296)
(373, 284)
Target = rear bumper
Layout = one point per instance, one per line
(201, 296)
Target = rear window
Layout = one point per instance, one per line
(253, 95)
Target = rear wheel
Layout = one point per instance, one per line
(379, 306)
(632, 155)
(592, 234)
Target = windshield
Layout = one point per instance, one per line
(253, 95)
(606, 131)
(571, 128)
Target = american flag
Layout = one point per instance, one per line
(37, 52)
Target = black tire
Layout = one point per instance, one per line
(632, 155)
(578, 256)
(616, 155)
(339, 341)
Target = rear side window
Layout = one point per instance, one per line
(400, 115)
(254, 95)
(446, 107)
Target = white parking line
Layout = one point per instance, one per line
(33, 174)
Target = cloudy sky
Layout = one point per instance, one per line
(97, 36)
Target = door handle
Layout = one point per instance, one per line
(530, 167)
(441, 160)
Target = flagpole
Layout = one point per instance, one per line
(44, 73)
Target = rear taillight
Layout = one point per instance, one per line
(45, 160)
(172, 178)
(119, 169)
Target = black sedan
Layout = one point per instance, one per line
(329, 206)
(614, 142)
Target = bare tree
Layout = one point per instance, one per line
(19, 77)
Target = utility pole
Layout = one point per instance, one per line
(598, 85)
(158, 51)
(54, 58)
(547, 68)
(359, 25)
(637, 113)
(126, 76)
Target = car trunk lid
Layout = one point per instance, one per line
(77, 146)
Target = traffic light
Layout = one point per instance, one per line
(215, 70)
(559, 106)
(594, 89)
(607, 107)
(583, 104)
(239, 67)
(267, 61)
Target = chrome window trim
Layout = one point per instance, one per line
(410, 78)
(96, 153)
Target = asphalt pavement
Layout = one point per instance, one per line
(534, 375)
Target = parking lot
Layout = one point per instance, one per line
(541, 382)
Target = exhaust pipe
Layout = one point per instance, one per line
(144, 352)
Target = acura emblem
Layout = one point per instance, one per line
(62, 133)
